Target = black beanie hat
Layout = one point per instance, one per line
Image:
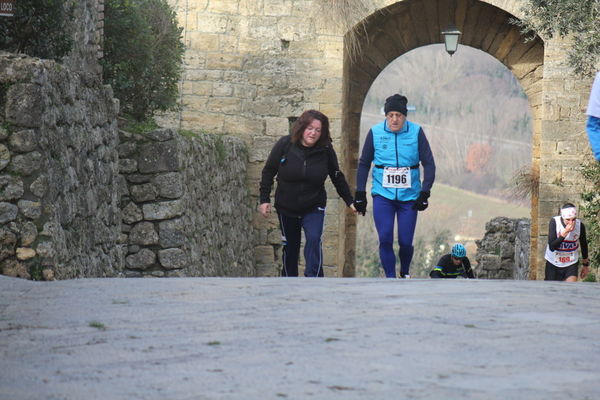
(396, 102)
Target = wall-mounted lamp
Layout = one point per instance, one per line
(451, 36)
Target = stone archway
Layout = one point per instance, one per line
(401, 27)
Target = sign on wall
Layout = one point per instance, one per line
(7, 8)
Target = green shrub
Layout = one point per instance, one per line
(591, 277)
(579, 18)
(130, 124)
(188, 133)
(143, 54)
(590, 209)
(39, 28)
(35, 271)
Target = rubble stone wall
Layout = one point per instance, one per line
(79, 200)
(186, 208)
(62, 192)
(59, 214)
(503, 253)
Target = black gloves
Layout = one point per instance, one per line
(421, 202)
(360, 202)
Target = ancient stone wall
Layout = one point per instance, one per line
(503, 253)
(59, 215)
(186, 209)
(88, 32)
(66, 178)
(521, 269)
(58, 171)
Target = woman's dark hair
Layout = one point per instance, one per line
(306, 118)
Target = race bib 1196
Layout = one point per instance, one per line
(396, 177)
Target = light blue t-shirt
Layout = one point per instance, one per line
(594, 102)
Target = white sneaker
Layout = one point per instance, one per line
(404, 276)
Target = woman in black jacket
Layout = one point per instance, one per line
(302, 161)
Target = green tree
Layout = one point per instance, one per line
(143, 55)
(39, 28)
(591, 210)
(579, 18)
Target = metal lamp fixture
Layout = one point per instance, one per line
(451, 36)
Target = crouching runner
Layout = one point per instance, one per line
(453, 265)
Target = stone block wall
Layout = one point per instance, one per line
(503, 253)
(59, 214)
(186, 209)
(563, 143)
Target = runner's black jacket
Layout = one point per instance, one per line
(447, 268)
(301, 173)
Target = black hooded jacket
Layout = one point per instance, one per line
(301, 173)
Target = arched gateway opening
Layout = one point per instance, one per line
(403, 26)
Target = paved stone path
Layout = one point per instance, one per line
(275, 338)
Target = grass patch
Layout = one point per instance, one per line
(341, 388)
(591, 277)
(130, 124)
(5, 124)
(188, 133)
(213, 343)
(97, 325)
(220, 149)
(3, 91)
(35, 271)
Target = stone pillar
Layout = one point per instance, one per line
(562, 143)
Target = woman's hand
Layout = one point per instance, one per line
(353, 208)
(265, 209)
(568, 228)
(585, 268)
